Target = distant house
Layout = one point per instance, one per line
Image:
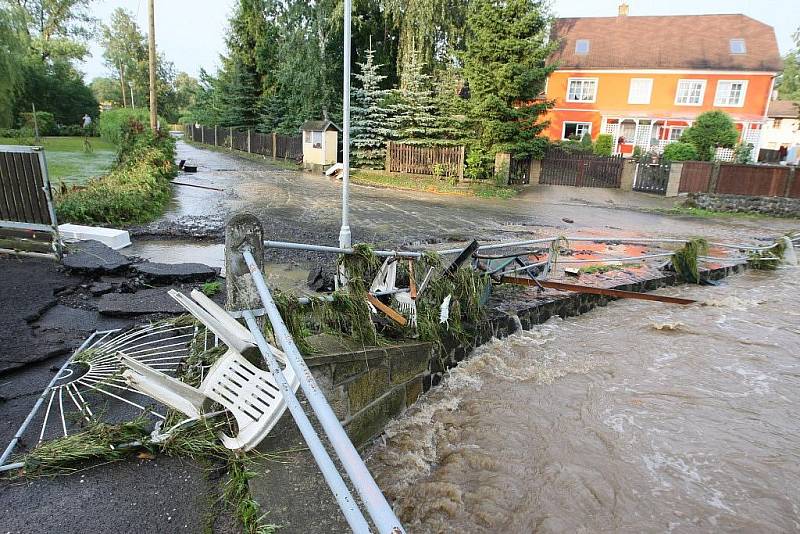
(320, 144)
(644, 80)
(782, 129)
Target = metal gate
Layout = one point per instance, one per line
(652, 177)
(581, 169)
(26, 201)
(519, 172)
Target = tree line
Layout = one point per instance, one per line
(425, 71)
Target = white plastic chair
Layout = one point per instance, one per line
(250, 394)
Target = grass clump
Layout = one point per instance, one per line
(765, 259)
(210, 289)
(684, 260)
(599, 269)
(135, 191)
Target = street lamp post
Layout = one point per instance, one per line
(345, 237)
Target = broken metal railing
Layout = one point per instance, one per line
(378, 508)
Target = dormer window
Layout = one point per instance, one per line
(738, 46)
(582, 47)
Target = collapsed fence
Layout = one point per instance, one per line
(273, 145)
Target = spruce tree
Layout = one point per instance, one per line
(505, 67)
(369, 118)
(414, 113)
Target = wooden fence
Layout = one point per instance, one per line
(415, 159)
(739, 179)
(580, 169)
(272, 145)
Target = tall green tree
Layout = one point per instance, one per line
(789, 81)
(58, 29)
(711, 130)
(414, 113)
(125, 53)
(504, 65)
(12, 52)
(369, 126)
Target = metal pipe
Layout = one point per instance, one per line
(39, 402)
(338, 250)
(345, 237)
(343, 496)
(379, 510)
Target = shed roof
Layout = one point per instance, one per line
(318, 126)
(783, 109)
(666, 42)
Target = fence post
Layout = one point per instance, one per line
(215, 136)
(712, 182)
(248, 140)
(274, 146)
(461, 163)
(502, 165)
(241, 291)
(535, 171)
(628, 175)
(388, 165)
(203, 134)
(674, 179)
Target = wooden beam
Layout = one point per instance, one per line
(393, 315)
(617, 293)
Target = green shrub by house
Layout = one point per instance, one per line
(679, 151)
(136, 190)
(604, 145)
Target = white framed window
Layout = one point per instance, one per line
(307, 137)
(738, 46)
(690, 92)
(640, 90)
(675, 133)
(317, 139)
(730, 93)
(575, 130)
(581, 89)
(582, 47)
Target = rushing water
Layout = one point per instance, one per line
(637, 417)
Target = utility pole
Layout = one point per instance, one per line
(345, 237)
(152, 43)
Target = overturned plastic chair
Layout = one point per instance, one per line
(250, 394)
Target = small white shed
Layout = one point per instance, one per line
(320, 144)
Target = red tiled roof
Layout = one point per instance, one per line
(780, 109)
(667, 42)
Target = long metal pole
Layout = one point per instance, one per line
(345, 237)
(152, 49)
(343, 496)
(338, 250)
(379, 510)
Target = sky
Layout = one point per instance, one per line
(191, 33)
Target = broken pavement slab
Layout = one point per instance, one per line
(143, 302)
(94, 258)
(167, 273)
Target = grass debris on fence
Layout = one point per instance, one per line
(684, 260)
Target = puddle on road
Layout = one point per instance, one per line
(284, 276)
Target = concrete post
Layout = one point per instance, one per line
(674, 181)
(248, 140)
(712, 182)
(502, 166)
(274, 145)
(203, 134)
(215, 136)
(461, 161)
(536, 171)
(230, 138)
(628, 175)
(241, 291)
(388, 165)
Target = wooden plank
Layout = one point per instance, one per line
(393, 315)
(5, 201)
(617, 293)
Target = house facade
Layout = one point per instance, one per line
(782, 129)
(644, 80)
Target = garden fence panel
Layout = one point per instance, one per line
(696, 176)
(415, 159)
(752, 180)
(581, 169)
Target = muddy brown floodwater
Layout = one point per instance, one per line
(637, 417)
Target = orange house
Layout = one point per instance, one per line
(643, 80)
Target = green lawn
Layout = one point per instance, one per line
(430, 184)
(67, 162)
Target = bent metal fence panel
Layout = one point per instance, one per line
(581, 169)
(26, 200)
